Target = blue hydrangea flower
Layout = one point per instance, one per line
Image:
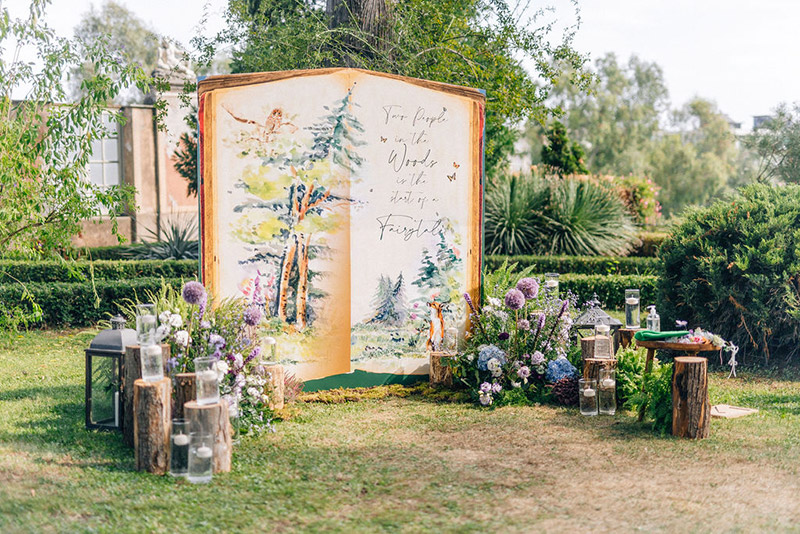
(487, 352)
(558, 369)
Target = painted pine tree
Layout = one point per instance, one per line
(391, 308)
(438, 270)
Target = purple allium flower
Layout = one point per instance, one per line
(216, 340)
(524, 372)
(524, 324)
(496, 388)
(486, 387)
(194, 293)
(252, 315)
(502, 336)
(529, 287)
(515, 299)
(537, 358)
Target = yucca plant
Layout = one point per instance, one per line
(585, 218)
(514, 215)
(177, 242)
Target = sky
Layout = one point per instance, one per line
(742, 54)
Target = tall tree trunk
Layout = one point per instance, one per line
(370, 16)
(302, 283)
(289, 251)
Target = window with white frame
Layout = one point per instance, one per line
(105, 168)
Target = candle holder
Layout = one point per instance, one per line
(450, 344)
(632, 319)
(201, 458)
(587, 393)
(207, 380)
(152, 360)
(607, 392)
(603, 341)
(551, 284)
(179, 448)
(146, 323)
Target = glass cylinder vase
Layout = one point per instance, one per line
(152, 360)
(632, 309)
(587, 393)
(603, 342)
(179, 448)
(607, 392)
(146, 324)
(206, 380)
(551, 284)
(201, 457)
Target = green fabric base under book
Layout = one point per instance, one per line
(650, 335)
(361, 379)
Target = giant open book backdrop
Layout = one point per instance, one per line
(349, 203)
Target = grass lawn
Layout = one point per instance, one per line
(399, 464)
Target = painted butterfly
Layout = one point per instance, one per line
(451, 177)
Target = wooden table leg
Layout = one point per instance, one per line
(648, 366)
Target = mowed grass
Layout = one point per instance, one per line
(399, 465)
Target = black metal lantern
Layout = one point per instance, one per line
(104, 375)
(593, 316)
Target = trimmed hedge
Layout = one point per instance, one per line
(579, 264)
(81, 271)
(649, 244)
(112, 252)
(610, 288)
(65, 304)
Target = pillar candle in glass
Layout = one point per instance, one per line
(201, 457)
(179, 448)
(632, 309)
(206, 380)
(607, 392)
(146, 323)
(587, 393)
(603, 342)
(152, 360)
(551, 284)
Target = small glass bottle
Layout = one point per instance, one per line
(201, 458)
(607, 392)
(179, 448)
(206, 380)
(587, 393)
(152, 360)
(653, 320)
(603, 342)
(632, 309)
(551, 284)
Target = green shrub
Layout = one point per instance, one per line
(648, 243)
(114, 252)
(656, 398)
(630, 370)
(734, 268)
(579, 264)
(540, 214)
(82, 271)
(80, 304)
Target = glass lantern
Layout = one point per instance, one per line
(603, 341)
(104, 376)
(551, 284)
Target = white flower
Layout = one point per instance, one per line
(238, 361)
(493, 364)
(175, 320)
(516, 384)
(162, 331)
(222, 368)
(496, 302)
(240, 381)
(182, 338)
(485, 398)
(253, 392)
(470, 357)
(164, 316)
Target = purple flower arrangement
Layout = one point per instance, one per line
(517, 345)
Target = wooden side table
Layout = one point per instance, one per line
(626, 336)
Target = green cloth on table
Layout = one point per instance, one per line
(650, 335)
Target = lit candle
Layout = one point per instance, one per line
(551, 283)
(204, 452)
(608, 383)
(632, 301)
(588, 392)
(180, 439)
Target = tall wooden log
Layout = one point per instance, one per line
(152, 403)
(131, 372)
(275, 389)
(440, 373)
(185, 391)
(587, 347)
(592, 366)
(213, 419)
(691, 409)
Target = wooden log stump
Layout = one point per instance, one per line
(587, 347)
(152, 403)
(592, 366)
(440, 373)
(131, 372)
(276, 377)
(691, 409)
(185, 391)
(213, 419)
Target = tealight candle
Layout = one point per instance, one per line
(608, 383)
(204, 452)
(180, 439)
(588, 392)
